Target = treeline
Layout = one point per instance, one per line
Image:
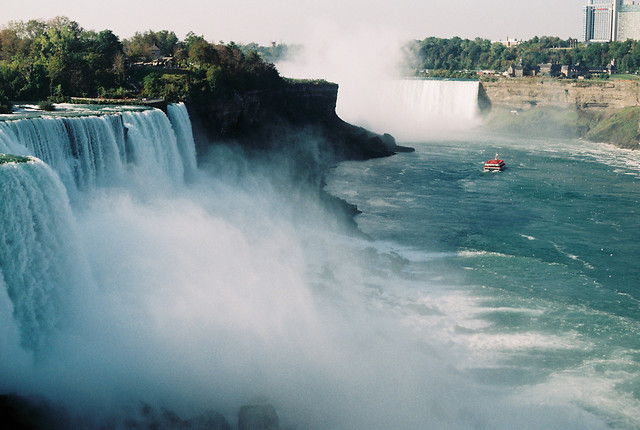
(274, 53)
(57, 59)
(52, 59)
(456, 54)
(206, 71)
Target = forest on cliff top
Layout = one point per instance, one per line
(456, 54)
(56, 59)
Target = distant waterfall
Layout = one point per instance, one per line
(410, 108)
(39, 258)
(181, 124)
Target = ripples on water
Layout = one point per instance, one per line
(539, 262)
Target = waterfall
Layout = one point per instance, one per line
(39, 258)
(181, 124)
(85, 152)
(93, 151)
(152, 144)
(410, 109)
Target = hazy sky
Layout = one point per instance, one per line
(291, 21)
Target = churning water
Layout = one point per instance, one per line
(534, 269)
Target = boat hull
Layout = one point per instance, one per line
(494, 166)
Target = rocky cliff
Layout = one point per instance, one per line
(603, 111)
(269, 119)
(582, 95)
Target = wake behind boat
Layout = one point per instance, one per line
(495, 165)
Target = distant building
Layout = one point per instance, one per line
(549, 69)
(573, 72)
(518, 71)
(509, 43)
(610, 20)
(155, 53)
(629, 21)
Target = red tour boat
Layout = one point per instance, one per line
(495, 165)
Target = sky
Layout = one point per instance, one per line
(287, 21)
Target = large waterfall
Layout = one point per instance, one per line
(410, 109)
(92, 151)
(40, 258)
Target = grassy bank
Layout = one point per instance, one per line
(619, 128)
(537, 122)
(8, 158)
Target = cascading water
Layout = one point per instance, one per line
(237, 287)
(93, 151)
(409, 109)
(40, 260)
(85, 152)
(152, 144)
(182, 126)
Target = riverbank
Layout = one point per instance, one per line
(602, 111)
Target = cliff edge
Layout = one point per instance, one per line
(269, 119)
(603, 111)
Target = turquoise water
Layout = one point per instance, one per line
(544, 255)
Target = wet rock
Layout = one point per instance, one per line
(258, 417)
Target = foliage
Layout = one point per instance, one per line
(273, 53)
(216, 71)
(138, 48)
(457, 54)
(46, 105)
(5, 103)
(57, 58)
(8, 158)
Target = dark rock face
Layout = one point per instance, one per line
(263, 120)
(18, 413)
(151, 419)
(258, 417)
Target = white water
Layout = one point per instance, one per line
(182, 126)
(86, 152)
(40, 260)
(92, 151)
(409, 109)
(152, 144)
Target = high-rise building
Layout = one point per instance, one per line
(610, 20)
(628, 21)
(599, 20)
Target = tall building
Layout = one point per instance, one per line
(610, 20)
(599, 20)
(629, 21)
